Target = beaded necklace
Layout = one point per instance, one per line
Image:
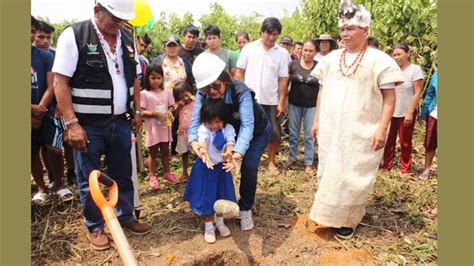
(344, 69)
(107, 53)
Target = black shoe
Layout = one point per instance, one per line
(345, 232)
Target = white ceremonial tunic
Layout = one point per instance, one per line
(350, 113)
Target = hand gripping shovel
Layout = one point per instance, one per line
(107, 209)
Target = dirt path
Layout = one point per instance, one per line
(393, 230)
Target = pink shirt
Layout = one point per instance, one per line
(156, 130)
(185, 117)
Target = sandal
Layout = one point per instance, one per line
(310, 170)
(39, 197)
(65, 194)
(424, 176)
(273, 171)
(154, 185)
(170, 178)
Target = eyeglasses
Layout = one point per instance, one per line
(213, 86)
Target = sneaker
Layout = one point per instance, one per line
(210, 235)
(223, 230)
(98, 240)
(137, 228)
(246, 222)
(171, 178)
(154, 185)
(345, 232)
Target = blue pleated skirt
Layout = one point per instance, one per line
(205, 186)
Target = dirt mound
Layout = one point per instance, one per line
(352, 256)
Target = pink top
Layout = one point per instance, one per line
(156, 130)
(185, 118)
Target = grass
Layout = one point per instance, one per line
(394, 230)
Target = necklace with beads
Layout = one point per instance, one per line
(113, 55)
(349, 71)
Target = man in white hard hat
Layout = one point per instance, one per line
(96, 68)
(355, 104)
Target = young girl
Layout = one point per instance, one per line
(184, 96)
(157, 105)
(210, 178)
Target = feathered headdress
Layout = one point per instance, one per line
(352, 14)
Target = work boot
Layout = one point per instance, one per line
(98, 240)
(137, 228)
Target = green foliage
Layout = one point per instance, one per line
(320, 16)
(393, 21)
(58, 28)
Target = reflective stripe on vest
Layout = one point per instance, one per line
(92, 109)
(91, 93)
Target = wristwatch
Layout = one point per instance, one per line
(65, 124)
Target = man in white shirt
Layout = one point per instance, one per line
(264, 65)
(96, 68)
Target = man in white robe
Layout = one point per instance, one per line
(354, 106)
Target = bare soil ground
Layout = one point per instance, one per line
(396, 228)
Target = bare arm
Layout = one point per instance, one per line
(49, 93)
(417, 88)
(239, 74)
(233, 71)
(282, 94)
(315, 128)
(76, 135)
(380, 136)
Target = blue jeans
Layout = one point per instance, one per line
(113, 140)
(295, 115)
(249, 168)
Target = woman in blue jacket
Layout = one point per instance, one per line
(245, 115)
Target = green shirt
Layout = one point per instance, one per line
(228, 57)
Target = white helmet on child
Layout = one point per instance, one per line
(207, 67)
(123, 9)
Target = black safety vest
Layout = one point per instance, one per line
(91, 85)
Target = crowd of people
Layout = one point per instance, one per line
(91, 94)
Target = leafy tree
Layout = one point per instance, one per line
(58, 28)
(224, 21)
(393, 21)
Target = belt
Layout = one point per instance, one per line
(120, 116)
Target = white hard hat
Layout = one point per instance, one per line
(207, 67)
(123, 9)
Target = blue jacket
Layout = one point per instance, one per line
(430, 100)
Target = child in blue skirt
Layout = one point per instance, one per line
(210, 178)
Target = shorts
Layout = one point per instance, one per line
(431, 139)
(270, 110)
(49, 133)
